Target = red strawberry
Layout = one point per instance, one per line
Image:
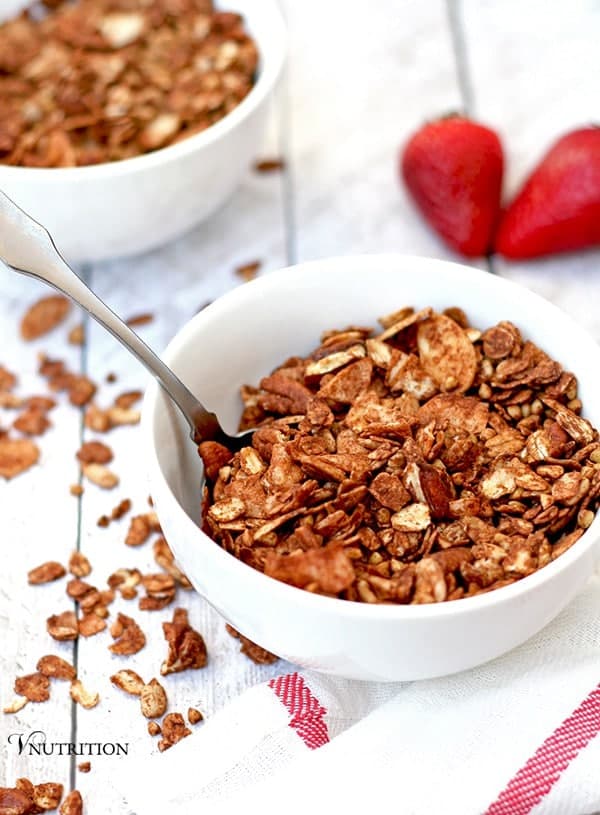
(453, 168)
(558, 208)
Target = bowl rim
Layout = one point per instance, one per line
(272, 54)
(335, 605)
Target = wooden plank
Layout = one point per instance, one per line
(40, 523)
(536, 82)
(362, 79)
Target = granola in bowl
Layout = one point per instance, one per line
(429, 461)
(98, 81)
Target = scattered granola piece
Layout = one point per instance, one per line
(83, 697)
(140, 319)
(79, 565)
(76, 335)
(154, 729)
(125, 580)
(160, 591)
(165, 559)
(94, 452)
(91, 624)
(128, 681)
(84, 766)
(32, 422)
(194, 715)
(153, 700)
(43, 316)
(76, 489)
(249, 270)
(187, 649)
(139, 530)
(16, 705)
(81, 390)
(269, 165)
(14, 801)
(35, 687)
(17, 456)
(55, 667)
(8, 380)
(100, 475)
(63, 626)
(128, 399)
(173, 730)
(128, 635)
(46, 573)
(44, 797)
(253, 651)
(72, 805)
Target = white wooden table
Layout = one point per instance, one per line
(361, 77)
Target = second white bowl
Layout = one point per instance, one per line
(125, 207)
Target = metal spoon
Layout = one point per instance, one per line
(27, 247)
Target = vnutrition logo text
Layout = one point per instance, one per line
(36, 743)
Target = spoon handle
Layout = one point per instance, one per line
(27, 247)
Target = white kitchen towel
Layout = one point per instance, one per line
(518, 736)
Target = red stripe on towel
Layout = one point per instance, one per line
(306, 712)
(537, 777)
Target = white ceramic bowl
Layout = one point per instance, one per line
(125, 207)
(245, 334)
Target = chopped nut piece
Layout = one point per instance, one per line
(249, 270)
(128, 635)
(35, 687)
(94, 452)
(79, 565)
(16, 705)
(153, 700)
(17, 456)
(100, 475)
(125, 580)
(72, 805)
(128, 681)
(253, 651)
(8, 380)
(63, 626)
(173, 730)
(55, 667)
(154, 728)
(187, 649)
(43, 316)
(46, 573)
(76, 489)
(83, 697)
(76, 335)
(84, 766)
(194, 715)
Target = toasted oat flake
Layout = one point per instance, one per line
(46, 573)
(72, 805)
(16, 705)
(17, 456)
(128, 681)
(100, 475)
(82, 696)
(43, 316)
(55, 667)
